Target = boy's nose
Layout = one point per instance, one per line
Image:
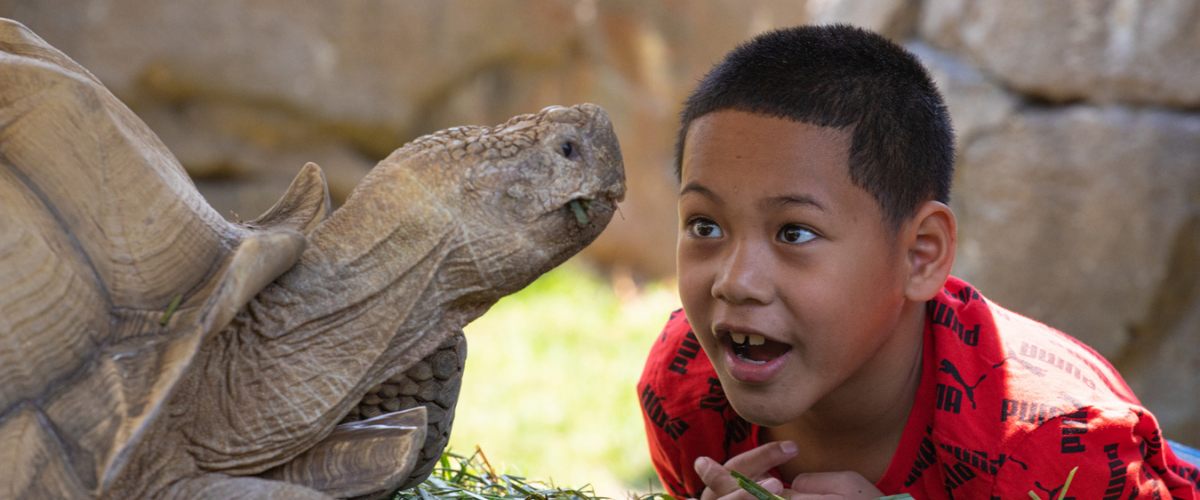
(743, 275)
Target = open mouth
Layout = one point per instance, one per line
(756, 349)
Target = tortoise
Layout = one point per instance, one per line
(150, 349)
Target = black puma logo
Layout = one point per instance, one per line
(1051, 494)
(949, 367)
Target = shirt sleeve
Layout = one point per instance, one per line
(685, 410)
(664, 454)
(1116, 454)
(658, 398)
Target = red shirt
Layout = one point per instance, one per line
(1005, 406)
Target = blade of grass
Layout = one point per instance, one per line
(423, 494)
(490, 470)
(580, 216)
(473, 478)
(166, 317)
(1067, 484)
(754, 488)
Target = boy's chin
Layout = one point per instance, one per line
(765, 409)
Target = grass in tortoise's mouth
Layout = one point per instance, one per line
(580, 206)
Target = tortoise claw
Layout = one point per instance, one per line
(359, 458)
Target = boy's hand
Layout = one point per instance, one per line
(831, 486)
(755, 464)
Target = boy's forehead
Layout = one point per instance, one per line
(735, 138)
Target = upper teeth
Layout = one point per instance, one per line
(741, 338)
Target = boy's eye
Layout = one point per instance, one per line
(793, 233)
(705, 228)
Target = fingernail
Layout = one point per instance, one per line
(789, 447)
(700, 465)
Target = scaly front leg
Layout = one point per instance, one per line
(360, 458)
(222, 487)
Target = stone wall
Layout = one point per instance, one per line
(1078, 176)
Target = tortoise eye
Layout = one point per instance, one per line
(568, 149)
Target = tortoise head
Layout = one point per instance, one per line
(530, 192)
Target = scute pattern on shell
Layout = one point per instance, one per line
(86, 276)
(102, 229)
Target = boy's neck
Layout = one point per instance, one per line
(858, 426)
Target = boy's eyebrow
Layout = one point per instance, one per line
(795, 199)
(777, 201)
(692, 187)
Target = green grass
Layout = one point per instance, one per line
(549, 387)
(472, 477)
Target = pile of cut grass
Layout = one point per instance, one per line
(473, 478)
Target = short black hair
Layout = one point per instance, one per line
(902, 143)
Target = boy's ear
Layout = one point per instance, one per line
(930, 235)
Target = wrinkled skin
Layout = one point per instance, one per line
(423, 246)
(282, 325)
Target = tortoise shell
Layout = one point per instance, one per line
(114, 267)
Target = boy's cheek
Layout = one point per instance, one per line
(694, 295)
(699, 325)
(712, 349)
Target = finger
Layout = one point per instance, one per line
(756, 463)
(719, 483)
(742, 494)
(772, 485)
(849, 485)
(791, 494)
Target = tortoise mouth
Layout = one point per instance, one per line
(579, 207)
(585, 210)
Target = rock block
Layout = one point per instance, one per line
(1103, 52)
(1070, 216)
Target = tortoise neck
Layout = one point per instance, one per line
(362, 304)
(378, 254)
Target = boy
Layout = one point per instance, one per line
(824, 342)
